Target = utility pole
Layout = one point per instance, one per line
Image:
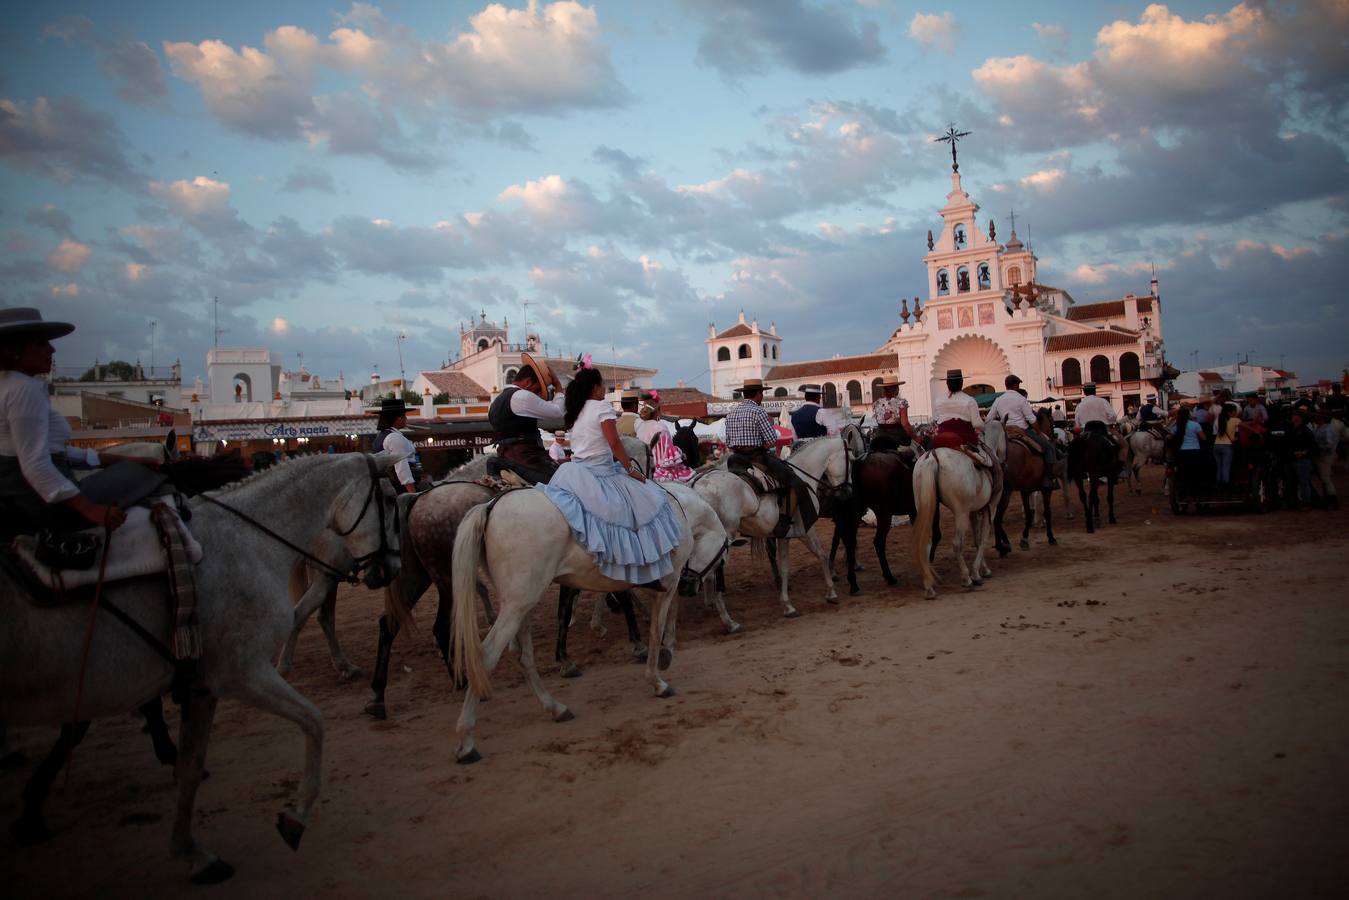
(215, 307)
(402, 375)
(153, 325)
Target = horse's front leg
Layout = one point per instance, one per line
(714, 594)
(1002, 542)
(1086, 505)
(1049, 518)
(193, 736)
(314, 596)
(1027, 514)
(328, 621)
(388, 630)
(879, 541)
(627, 604)
(813, 545)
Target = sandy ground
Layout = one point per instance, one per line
(1156, 710)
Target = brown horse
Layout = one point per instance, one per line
(1093, 457)
(883, 483)
(1026, 472)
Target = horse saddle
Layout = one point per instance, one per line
(758, 478)
(1157, 432)
(134, 550)
(1018, 435)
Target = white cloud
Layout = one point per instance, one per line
(935, 31)
(135, 271)
(1045, 178)
(66, 290)
(203, 201)
(63, 139)
(280, 326)
(69, 257)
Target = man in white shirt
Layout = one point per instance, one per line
(1014, 411)
(515, 415)
(957, 414)
(1094, 414)
(393, 417)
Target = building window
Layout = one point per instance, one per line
(1014, 275)
(963, 280)
(855, 392)
(1100, 369)
(745, 352)
(724, 354)
(943, 283)
(775, 351)
(1128, 367)
(958, 235)
(482, 344)
(1072, 373)
(830, 395)
(780, 392)
(876, 389)
(765, 351)
(985, 278)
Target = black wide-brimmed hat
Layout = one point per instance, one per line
(954, 373)
(27, 321)
(392, 405)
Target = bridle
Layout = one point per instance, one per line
(372, 562)
(822, 486)
(690, 578)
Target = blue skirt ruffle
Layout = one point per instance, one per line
(628, 527)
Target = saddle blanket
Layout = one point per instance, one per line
(1016, 435)
(135, 551)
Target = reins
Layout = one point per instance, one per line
(359, 565)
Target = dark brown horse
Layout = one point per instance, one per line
(1026, 472)
(1093, 457)
(883, 483)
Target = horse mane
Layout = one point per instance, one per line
(290, 464)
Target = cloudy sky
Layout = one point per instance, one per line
(622, 173)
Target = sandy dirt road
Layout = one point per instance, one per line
(1157, 710)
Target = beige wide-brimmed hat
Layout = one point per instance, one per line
(891, 380)
(543, 373)
(630, 394)
(751, 385)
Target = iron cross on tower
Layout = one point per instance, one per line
(951, 137)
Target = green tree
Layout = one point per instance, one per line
(117, 370)
(442, 397)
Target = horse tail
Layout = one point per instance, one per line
(758, 548)
(464, 561)
(927, 502)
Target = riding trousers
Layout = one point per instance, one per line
(779, 469)
(23, 511)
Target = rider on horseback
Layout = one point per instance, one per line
(957, 414)
(892, 417)
(515, 414)
(37, 489)
(1015, 412)
(1094, 414)
(393, 416)
(751, 437)
(808, 419)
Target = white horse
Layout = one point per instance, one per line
(252, 533)
(823, 463)
(948, 477)
(523, 544)
(1143, 447)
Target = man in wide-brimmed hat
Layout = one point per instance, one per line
(891, 413)
(957, 414)
(1093, 413)
(37, 487)
(808, 419)
(515, 414)
(750, 435)
(628, 418)
(393, 417)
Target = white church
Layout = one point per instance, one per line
(985, 314)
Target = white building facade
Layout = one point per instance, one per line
(985, 314)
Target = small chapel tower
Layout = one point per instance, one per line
(741, 351)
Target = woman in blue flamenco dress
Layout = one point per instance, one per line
(621, 518)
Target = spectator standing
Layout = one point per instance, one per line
(1327, 440)
(1224, 442)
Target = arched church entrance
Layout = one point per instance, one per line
(980, 360)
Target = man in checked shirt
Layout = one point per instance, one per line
(750, 435)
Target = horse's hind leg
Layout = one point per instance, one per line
(165, 751)
(557, 710)
(1086, 506)
(813, 545)
(498, 637)
(29, 828)
(882, 535)
(1027, 515)
(1049, 518)
(566, 608)
(198, 714)
(963, 531)
(627, 603)
(662, 637)
(1110, 500)
(267, 690)
(781, 563)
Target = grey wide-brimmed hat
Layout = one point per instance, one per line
(25, 320)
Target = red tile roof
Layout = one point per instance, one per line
(1108, 309)
(738, 330)
(837, 366)
(1089, 340)
(672, 395)
(456, 384)
(1210, 376)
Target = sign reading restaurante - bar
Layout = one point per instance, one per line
(263, 430)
